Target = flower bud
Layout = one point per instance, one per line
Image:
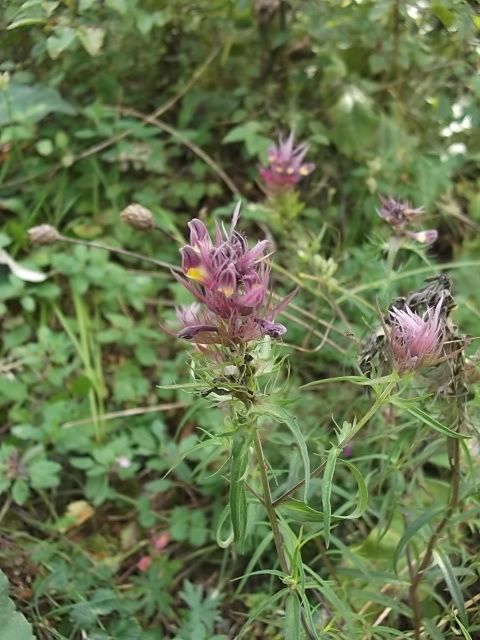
(44, 234)
(138, 217)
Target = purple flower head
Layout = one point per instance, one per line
(399, 215)
(286, 166)
(416, 341)
(231, 282)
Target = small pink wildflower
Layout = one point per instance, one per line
(160, 541)
(144, 563)
(399, 215)
(416, 341)
(286, 166)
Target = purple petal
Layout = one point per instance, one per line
(190, 332)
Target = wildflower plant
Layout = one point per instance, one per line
(236, 364)
(286, 168)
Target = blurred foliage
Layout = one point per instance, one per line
(173, 104)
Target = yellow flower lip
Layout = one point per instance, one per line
(227, 291)
(304, 171)
(199, 274)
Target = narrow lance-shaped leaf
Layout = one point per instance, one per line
(238, 496)
(426, 517)
(327, 491)
(362, 494)
(452, 583)
(292, 617)
(416, 412)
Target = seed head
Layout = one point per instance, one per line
(43, 234)
(138, 217)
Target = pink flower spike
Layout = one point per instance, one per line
(231, 282)
(286, 167)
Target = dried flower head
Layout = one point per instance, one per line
(138, 217)
(231, 282)
(416, 341)
(44, 234)
(400, 214)
(286, 166)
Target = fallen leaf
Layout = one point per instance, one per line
(24, 273)
(77, 513)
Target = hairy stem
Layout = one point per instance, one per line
(272, 516)
(268, 504)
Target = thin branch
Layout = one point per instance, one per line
(100, 146)
(126, 413)
(185, 141)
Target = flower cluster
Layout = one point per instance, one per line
(416, 341)
(399, 215)
(286, 166)
(231, 282)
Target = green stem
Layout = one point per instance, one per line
(361, 423)
(272, 516)
(122, 252)
(267, 503)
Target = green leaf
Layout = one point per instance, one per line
(424, 417)
(426, 517)
(13, 390)
(362, 380)
(445, 16)
(338, 605)
(83, 5)
(20, 491)
(257, 553)
(257, 611)
(180, 523)
(443, 561)
(433, 630)
(300, 511)
(327, 480)
(293, 623)
(362, 494)
(249, 134)
(282, 415)
(12, 623)
(31, 103)
(44, 474)
(238, 496)
(59, 41)
(92, 39)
